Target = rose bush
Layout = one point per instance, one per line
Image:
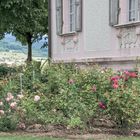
(9, 111)
(68, 95)
(124, 100)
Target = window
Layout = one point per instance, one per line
(72, 15)
(113, 12)
(134, 11)
(68, 16)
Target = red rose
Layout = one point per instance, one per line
(133, 75)
(102, 105)
(115, 81)
(115, 78)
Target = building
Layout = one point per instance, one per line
(102, 31)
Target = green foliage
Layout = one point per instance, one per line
(26, 19)
(8, 123)
(123, 107)
(79, 95)
(124, 102)
(74, 122)
(8, 111)
(31, 137)
(6, 71)
(35, 112)
(68, 95)
(26, 16)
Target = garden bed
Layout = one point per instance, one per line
(64, 100)
(60, 131)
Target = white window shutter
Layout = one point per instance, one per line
(59, 16)
(113, 12)
(78, 15)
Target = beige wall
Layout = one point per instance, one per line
(97, 39)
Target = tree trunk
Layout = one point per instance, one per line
(29, 41)
(29, 57)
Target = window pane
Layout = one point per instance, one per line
(133, 10)
(72, 15)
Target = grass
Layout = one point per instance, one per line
(49, 138)
(26, 138)
(126, 138)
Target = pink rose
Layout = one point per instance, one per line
(9, 97)
(71, 81)
(115, 86)
(1, 112)
(126, 72)
(1, 103)
(13, 105)
(36, 98)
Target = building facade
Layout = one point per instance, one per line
(102, 31)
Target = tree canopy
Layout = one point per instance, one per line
(26, 19)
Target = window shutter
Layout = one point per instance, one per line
(78, 15)
(113, 12)
(138, 9)
(59, 16)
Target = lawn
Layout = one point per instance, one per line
(126, 138)
(49, 138)
(26, 138)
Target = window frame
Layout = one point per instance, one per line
(136, 10)
(127, 22)
(73, 26)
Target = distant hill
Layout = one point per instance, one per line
(9, 43)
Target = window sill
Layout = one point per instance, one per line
(130, 24)
(68, 34)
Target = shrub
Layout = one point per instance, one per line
(6, 71)
(8, 112)
(123, 101)
(74, 93)
(35, 109)
(68, 95)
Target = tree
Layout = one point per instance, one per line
(26, 19)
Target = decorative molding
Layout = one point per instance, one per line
(68, 39)
(129, 37)
(69, 43)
